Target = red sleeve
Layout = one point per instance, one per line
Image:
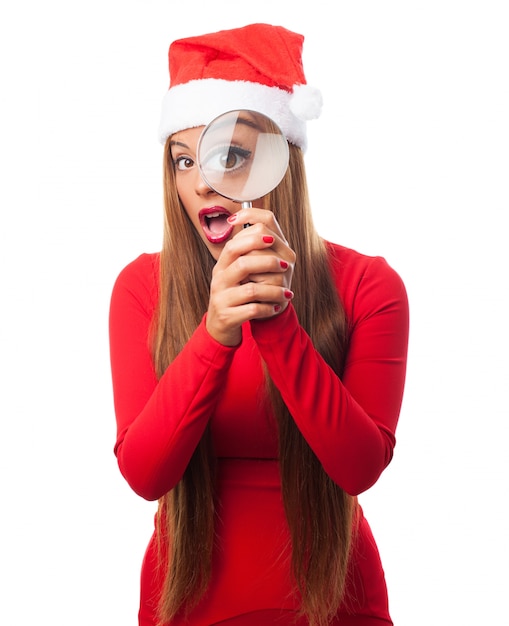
(350, 423)
(160, 423)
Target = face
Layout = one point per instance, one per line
(207, 210)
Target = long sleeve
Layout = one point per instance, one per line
(159, 423)
(350, 423)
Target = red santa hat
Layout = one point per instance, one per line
(256, 67)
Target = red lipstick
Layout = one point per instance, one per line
(214, 224)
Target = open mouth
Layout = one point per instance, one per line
(214, 224)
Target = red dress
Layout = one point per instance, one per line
(350, 425)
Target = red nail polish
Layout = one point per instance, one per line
(277, 308)
(268, 239)
(232, 218)
(283, 264)
(288, 294)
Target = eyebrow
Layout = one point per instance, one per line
(248, 122)
(179, 143)
(240, 120)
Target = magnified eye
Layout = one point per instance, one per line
(226, 158)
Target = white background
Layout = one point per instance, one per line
(409, 160)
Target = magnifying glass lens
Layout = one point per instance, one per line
(242, 155)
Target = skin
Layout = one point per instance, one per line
(252, 276)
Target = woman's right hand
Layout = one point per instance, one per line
(236, 295)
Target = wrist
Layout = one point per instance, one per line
(228, 338)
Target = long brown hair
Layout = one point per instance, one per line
(185, 529)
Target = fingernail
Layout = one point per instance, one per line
(288, 294)
(283, 264)
(268, 239)
(232, 218)
(277, 308)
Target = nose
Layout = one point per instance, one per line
(201, 187)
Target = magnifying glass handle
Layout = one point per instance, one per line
(246, 205)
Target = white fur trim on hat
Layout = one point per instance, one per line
(198, 102)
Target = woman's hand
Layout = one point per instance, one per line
(252, 277)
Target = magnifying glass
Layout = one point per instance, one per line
(242, 155)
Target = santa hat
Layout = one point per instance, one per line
(256, 67)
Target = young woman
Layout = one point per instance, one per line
(258, 372)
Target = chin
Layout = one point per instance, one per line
(214, 249)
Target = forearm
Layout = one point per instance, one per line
(155, 446)
(348, 423)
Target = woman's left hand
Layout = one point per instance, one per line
(266, 224)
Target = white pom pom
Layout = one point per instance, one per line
(306, 102)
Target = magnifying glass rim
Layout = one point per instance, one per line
(224, 114)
